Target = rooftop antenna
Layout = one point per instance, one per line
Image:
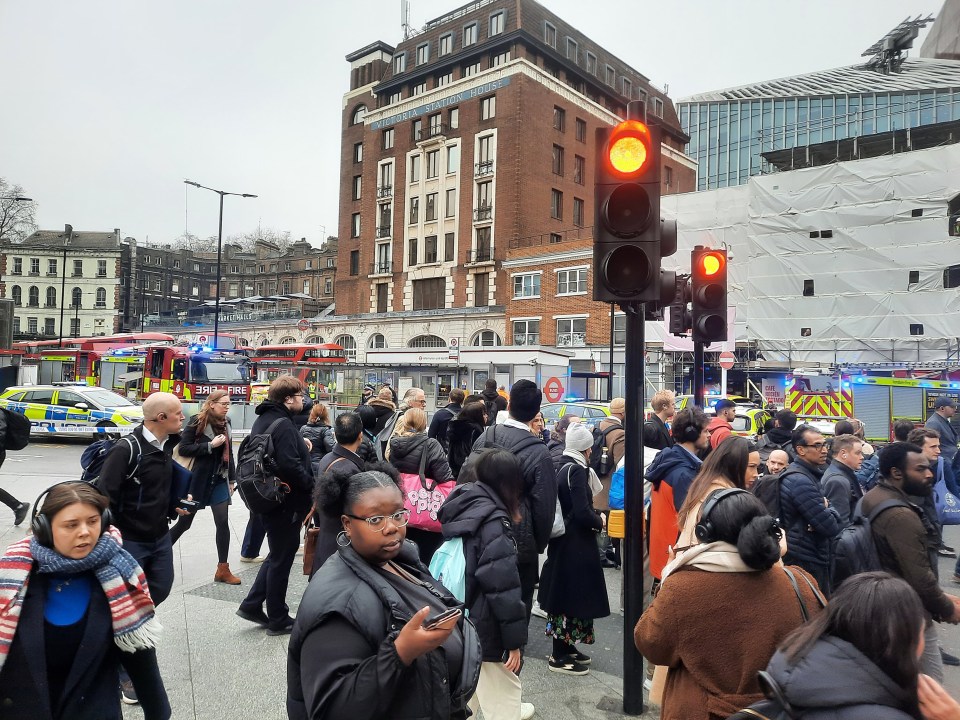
(887, 54)
(405, 19)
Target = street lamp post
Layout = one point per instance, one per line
(221, 193)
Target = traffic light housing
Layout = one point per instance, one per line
(708, 282)
(681, 319)
(628, 231)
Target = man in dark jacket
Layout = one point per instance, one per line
(779, 437)
(944, 409)
(900, 534)
(348, 429)
(656, 434)
(538, 503)
(292, 459)
(443, 416)
(493, 401)
(811, 524)
(137, 476)
(840, 485)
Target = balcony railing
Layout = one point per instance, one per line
(483, 168)
(431, 131)
(483, 213)
(383, 231)
(480, 255)
(382, 267)
(385, 191)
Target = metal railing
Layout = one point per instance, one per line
(479, 255)
(483, 168)
(383, 231)
(385, 191)
(577, 233)
(381, 267)
(483, 213)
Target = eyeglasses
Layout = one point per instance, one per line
(225, 403)
(377, 522)
(816, 446)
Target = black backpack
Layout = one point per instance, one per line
(601, 457)
(17, 433)
(260, 488)
(93, 457)
(855, 550)
(774, 706)
(767, 489)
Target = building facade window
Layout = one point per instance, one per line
(450, 209)
(579, 166)
(433, 163)
(430, 249)
(610, 76)
(77, 268)
(359, 113)
(549, 34)
(446, 44)
(556, 204)
(627, 88)
(101, 298)
(578, 212)
(453, 118)
(559, 118)
(74, 327)
(497, 22)
(429, 294)
(34, 266)
(481, 290)
(354, 263)
(33, 296)
(388, 139)
(52, 267)
(526, 332)
(381, 298)
(377, 341)
(484, 250)
(357, 180)
(349, 345)
(51, 297)
(526, 285)
(414, 210)
(355, 225)
(430, 214)
(412, 252)
(399, 63)
(49, 326)
(444, 79)
(449, 247)
(486, 338)
(572, 282)
(358, 152)
(469, 34)
(453, 158)
(591, 63)
(18, 266)
(471, 69)
(423, 53)
(415, 168)
(17, 295)
(557, 160)
(76, 297)
(488, 108)
(573, 52)
(419, 89)
(500, 59)
(571, 332)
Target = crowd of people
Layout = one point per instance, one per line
(436, 539)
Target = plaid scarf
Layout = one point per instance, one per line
(135, 626)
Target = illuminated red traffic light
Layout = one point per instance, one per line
(628, 147)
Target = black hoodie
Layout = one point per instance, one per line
(289, 452)
(494, 403)
(475, 512)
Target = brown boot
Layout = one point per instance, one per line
(224, 575)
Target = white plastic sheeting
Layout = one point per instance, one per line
(863, 302)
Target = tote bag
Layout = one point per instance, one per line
(948, 506)
(423, 497)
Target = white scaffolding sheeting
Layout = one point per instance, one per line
(863, 301)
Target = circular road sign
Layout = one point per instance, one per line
(726, 360)
(553, 389)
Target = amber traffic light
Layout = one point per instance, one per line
(708, 269)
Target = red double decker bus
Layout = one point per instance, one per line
(313, 364)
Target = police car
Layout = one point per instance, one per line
(70, 408)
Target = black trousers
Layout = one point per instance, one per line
(283, 528)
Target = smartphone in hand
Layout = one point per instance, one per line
(431, 623)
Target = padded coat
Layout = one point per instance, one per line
(811, 527)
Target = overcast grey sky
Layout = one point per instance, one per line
(107, 106)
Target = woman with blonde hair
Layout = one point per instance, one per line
(206, 439)
(408, 451)
(319, 433)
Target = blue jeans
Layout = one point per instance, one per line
(156, 559)
(253, 537)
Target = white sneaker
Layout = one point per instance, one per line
(648, 684)
(526, 711)
(538, 611)
(257, 559)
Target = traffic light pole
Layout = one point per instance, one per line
(698, 394)
(633, 674)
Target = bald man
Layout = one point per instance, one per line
(137, 476)
(777, 461)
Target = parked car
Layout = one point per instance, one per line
(749, 422)
(70, 407)
(589, 412)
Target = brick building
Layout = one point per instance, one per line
(468, 139)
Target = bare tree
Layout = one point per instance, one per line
(18, 218)
(247, 241)
(189, 241)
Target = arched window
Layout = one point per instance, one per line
(287, 340)
(486, 338)
(51, 297)
(101, 298)
(264, 341)
(76, 297)
(359, 113)
(243, 342)
(376, 342)
(349, 345)
(314, 340)
(427, 341)
(33, 296)
(17, 294)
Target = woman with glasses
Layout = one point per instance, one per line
(206, 439)
(360, 649)
(705, 625)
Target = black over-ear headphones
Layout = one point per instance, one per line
(704, 529)
(690, 433)
(40, 523)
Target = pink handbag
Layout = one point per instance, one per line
(423, 497)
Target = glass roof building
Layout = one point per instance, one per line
(730, 130)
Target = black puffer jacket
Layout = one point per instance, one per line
(406, 452)
(835, 681)
(321, 437)
(539, 500)
(475, 512)
(347, 605)
(556, 448)
(461, 435)
(811, 527)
